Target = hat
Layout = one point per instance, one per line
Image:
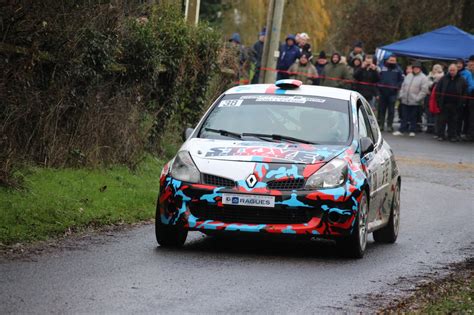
(358, 56)
(471, 58)
(291, 36)
(235, 38)
(304, 36)
(387, 55)
(322, 55)
(416, 63)
(263, 32)
(338, 56)
(358, 43)
(307, 54)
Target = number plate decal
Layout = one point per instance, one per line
(248, 200)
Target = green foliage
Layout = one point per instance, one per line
(212, 11)
(381, 22)
(54, 201)
(98, 83)
(174, 60)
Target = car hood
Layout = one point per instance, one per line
(260, 151)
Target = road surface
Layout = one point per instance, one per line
(128, 273)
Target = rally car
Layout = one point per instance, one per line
(283, 158)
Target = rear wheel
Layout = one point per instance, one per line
(169, 235)
(354, 245)
(389, 233)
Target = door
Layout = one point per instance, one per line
(385, 164)
(371, 161)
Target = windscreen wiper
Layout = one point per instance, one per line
(225, 133)
(277, 137)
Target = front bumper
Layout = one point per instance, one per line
(329, 212)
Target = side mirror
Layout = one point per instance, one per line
(187, 133)
(366, 145)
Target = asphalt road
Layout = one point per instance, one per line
(128, 273)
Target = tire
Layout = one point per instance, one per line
(389, 233)
(354, 245)
(169, 235)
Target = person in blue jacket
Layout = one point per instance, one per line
(289, 52)
(391, 78)
(463, 121)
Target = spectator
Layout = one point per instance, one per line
(391, 78)
(463, 121)
(241, 54)
(431, 107)
(335, 73)
(344, 61)
(436, 74)
(357, 50)
(368, 74)
(257, 52)
(303, 70)
(470, 64)
(408, 70)
(289, 52)
(235, 41)
(450, 91)
(470, 103)
(303, 44)
(414, 89)
(321, 62)
(466, 74)
(356, 63)
(297, 39)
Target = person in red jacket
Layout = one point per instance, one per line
(432, 107)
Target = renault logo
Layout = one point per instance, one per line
(251, 180)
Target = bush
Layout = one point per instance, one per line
(97, 83)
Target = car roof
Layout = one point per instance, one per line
(313, 90)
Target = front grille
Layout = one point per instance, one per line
(287, 184)
(251, 215)
(218, 181)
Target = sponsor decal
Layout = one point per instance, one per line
(276, 153)
(282, 98)
(248, 200)
(230, 103)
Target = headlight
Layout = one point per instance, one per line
(331, 175)
(183, 168)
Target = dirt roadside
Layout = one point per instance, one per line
(70, 240)
(452, 293)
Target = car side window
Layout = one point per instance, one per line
(363, 130)
(372, 122)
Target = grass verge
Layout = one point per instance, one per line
(453, 294)
(56, 201)
(456, 296)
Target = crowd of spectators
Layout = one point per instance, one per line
(440, 102)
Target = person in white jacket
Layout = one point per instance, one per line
(414, 89)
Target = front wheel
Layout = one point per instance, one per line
(169, 235)
(354, 245)
(389, 233)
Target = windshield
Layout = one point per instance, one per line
(288, 118)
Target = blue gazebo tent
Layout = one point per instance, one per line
(446, 43)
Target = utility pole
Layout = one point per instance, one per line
(191, 11)
(272, 40)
